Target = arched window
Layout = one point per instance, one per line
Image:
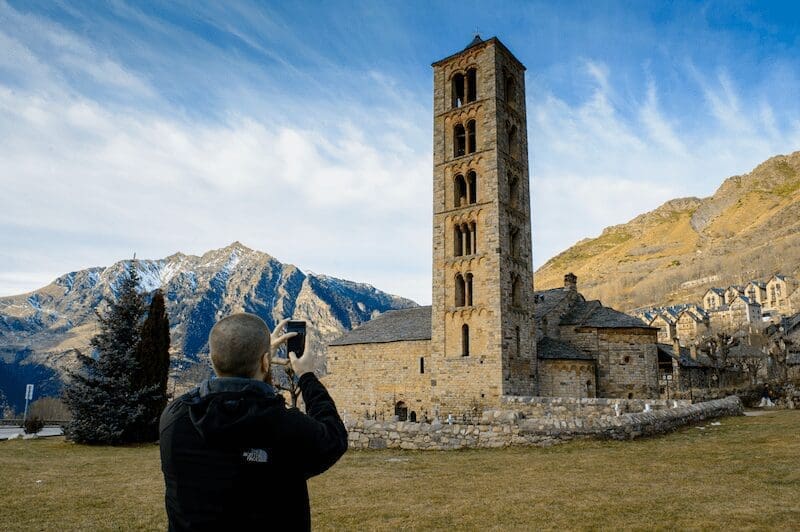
(471, 136)
(472, 85)
(459, 140)
(469, 289)
(513, 143)
(458, 90)
(465, 340)
(461, 291)
(460, 191)
(513, 191)
(516, 340)
(472, 183)
(466, 231)
(510, 90)
(458, 242)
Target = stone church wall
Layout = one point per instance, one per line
(368, 434)
(375, 377)
(566, 378)
(627, 359)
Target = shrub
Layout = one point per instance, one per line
(33, 424)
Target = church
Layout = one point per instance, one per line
(486, 335)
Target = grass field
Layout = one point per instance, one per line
(742, 474)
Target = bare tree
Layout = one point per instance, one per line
(717, 347)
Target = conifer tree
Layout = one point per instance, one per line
(105, 403)
(153, 360)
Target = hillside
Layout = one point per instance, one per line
(749, 228)
(40, 330)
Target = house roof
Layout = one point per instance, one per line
(594, 314)
(552, 349)
(684, 359)
(393, 326)
(760, 284)
(718, 291)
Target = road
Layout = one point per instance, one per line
(7, 432)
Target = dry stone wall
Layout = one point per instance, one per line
(505, 428)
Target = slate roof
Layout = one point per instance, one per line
(684, 359)
(552, 349)
(594, 314)
(718, 291)
(547, 300)
(393, 326)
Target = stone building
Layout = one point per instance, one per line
(692, 324)
(665, 322)
(477, 342)
(779, 290)
(714, 298)
(756, 291)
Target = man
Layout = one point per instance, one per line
(234, 456)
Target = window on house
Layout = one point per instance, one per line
(471, 136)
(469, 289)
(458, 242)
(516, 340)
(422, 365)
(472, 183)
(460, 191)
(465, 230)
(458, 90)
(465, 340)
(461, 288)
(472, 85)
(516, 291)
(459, 141)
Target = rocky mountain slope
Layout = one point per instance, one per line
(40, 330)
(749, 228)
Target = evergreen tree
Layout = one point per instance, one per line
(105, 403)
(153, 361)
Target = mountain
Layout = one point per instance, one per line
(749, 229)
(39, 331)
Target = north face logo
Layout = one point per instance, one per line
(256, 455)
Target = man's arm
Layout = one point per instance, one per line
(324, 437)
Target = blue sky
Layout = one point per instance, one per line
(303, 129)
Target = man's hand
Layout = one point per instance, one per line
(304, 364)
(277, 339)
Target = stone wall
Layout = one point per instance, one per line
(566, 378)
(373, 378)
(499, 432)
(627, 359)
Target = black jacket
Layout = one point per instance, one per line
(235, 458)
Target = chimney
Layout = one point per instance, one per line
(571, 282)
(693, 351)
(676, 346)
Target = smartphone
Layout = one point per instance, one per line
(296, 344)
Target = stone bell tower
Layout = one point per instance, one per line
(483, 338)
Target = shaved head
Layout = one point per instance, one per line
(238, 344)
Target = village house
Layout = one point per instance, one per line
(693, 323)
(779, 290)
(487, 334)
(665, 321)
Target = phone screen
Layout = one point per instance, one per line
(296, 344)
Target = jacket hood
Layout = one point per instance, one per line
(227, 409)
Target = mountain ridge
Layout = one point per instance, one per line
(749, 228)
(43, 328)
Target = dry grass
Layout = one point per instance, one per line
(743, 474)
